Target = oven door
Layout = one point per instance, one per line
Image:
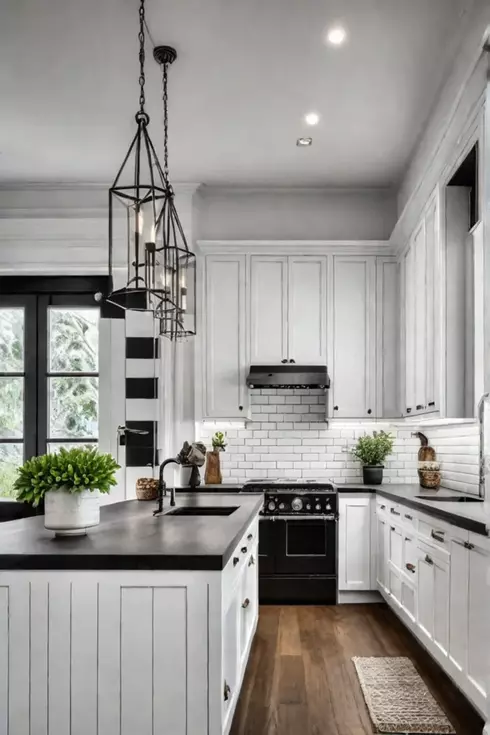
(305, 546)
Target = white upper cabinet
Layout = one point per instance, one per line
(268, 309)
(420, 315)
(288, 309)
(307, 308)
(353, 362)
(225, 359)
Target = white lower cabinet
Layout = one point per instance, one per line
(436, 577)
(355, 530)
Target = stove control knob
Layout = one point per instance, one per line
(282, 506)
(308, 506)
(297, 504)
(271, 505)
(318, 506)
(328, 506)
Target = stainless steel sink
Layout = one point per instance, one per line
(450, 499)
(205, 511)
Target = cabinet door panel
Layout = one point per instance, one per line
(396, 547)
(420, 294)
(431, 307)
(354, 543)
(425, 597)
(458, 604)
(409, 354)
(381, 554)
(268, 304)
(225, 360)
(387, 321)
(441, 605)
(307, 312)
(479, 605)
(353, 379)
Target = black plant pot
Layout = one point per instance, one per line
(372, 475)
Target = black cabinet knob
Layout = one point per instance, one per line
(293, 361)
(284, 361)
(240, 408)
(369, 411)
(335, 408)
(409, 410)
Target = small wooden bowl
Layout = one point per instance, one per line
(146, 488)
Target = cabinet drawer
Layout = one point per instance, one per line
(409, 519)
(240, 557)
(435, 532)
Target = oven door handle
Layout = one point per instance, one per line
(330, 517)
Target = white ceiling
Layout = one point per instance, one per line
(247, 72)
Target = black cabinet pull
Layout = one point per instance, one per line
(409, 410)
(235, 560)
(226, 691)
(395, 512)
(293, 361)
(431, 403)
(335, 408)
(245, 603)
(428, 559)
(419, 407)
(410, 567)
(244, 549)
(410, 518)
(369, 411)
(240, 408)
(249, 537)
(284, 361)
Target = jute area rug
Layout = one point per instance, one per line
(397, 698)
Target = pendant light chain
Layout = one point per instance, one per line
(141, 55)
(165, 123)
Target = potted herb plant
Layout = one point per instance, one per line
(213, 466)
(372, 451)
(70, 482)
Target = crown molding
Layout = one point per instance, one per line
(296, 247)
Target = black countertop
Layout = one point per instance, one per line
(129, 537)
(470, 516)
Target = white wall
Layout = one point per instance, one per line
(295, 214)
(459, 92)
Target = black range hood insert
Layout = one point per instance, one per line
(288, 376)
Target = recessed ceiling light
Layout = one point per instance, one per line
(336, 35)
(302, 142)
(312, 118)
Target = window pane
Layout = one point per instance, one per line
(11, 457)
(73, 340)
(11, 340)
(73, 407)
(11, 408)
(55, 446)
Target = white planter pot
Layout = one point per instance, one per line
(185, 475)
(70, 514)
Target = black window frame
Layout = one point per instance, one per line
(36, 294)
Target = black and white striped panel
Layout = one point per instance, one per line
(142, 370)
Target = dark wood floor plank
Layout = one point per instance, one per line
(300, 679)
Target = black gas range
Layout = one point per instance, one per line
(297, 542)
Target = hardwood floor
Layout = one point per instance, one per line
(300, 678)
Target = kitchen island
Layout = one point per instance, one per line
(142, 626)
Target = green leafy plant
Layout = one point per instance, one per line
(74, 470)
(218, 441)
(373, 450)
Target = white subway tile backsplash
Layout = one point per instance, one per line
(288, 438)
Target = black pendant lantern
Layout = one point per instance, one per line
(172, 266)
(160, 270)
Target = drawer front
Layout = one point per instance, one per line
(436, 533)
